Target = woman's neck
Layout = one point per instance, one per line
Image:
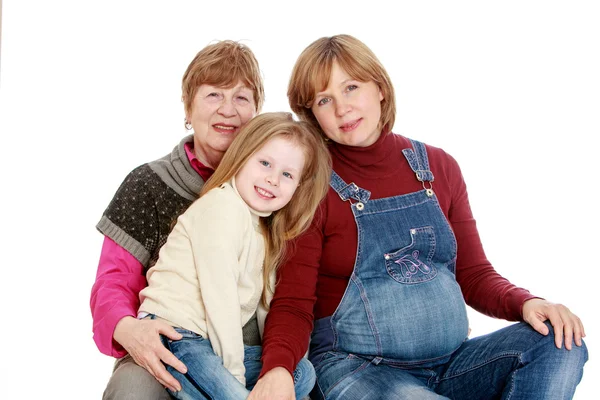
(209, 159)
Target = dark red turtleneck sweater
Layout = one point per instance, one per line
(313, 280)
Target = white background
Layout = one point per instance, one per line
(91, 89)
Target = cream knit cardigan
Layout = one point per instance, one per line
(208, 278)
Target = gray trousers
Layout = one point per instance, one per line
(129, 381)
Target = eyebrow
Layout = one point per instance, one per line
(294, 170)
(242, 86)
(342, 83)
(270, 159)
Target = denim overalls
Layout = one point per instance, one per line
(402, 305)
(400, 330)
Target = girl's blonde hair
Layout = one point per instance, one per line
(222, 64)
(293, 219)
(312, 71)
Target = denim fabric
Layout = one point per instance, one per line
(513, 363)
(207, 378)
(400, 331)
(404, 271)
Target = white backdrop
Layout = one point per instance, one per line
(91, 89)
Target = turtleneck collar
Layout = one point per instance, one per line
(371, 156)
(255, 213)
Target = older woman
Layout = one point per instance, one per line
(222, 90)
(386, 270)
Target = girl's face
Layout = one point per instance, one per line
(348, 110)
(270, 177)
(217, 114)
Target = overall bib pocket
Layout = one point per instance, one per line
(412, 264)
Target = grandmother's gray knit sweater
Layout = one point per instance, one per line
(145, 207)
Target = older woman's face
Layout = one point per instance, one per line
(348, 110)
(217, 115)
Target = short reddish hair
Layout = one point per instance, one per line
(223, 64)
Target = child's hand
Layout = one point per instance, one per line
(141, 339)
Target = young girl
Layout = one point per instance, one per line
(216, 271)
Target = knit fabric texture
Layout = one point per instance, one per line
(148, 202)
(145, 208)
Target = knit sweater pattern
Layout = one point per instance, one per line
(141, 214)
(146, 205)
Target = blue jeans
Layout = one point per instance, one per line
(207, 378)
(512, 363)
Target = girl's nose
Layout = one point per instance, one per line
(273, 180)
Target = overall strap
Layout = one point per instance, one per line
(418, 161)
(348, 191)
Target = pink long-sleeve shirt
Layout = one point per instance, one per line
(119, 280)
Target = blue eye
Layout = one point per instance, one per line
(265, 163)
(323, 101)
(351, 88)
(288, 175)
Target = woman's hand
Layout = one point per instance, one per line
(566, 324)
(141, 339)
(277, 384)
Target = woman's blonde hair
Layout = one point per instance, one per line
(293, 219)
(312, 71)
(223, 64)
